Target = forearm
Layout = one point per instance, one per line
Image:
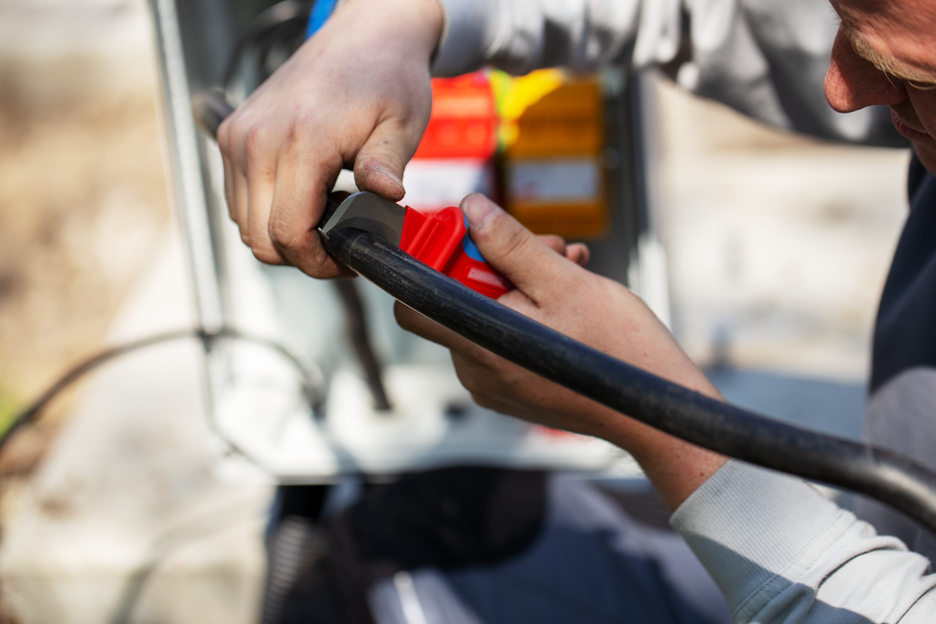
(675, 468)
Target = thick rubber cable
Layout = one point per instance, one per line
(881, 474)
(717, 426)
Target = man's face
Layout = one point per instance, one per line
(885, 53)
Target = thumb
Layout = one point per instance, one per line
(379, 164)
(517, 253)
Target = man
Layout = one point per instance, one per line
(359, 93)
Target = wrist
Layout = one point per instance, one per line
(676, 468)
(398, 25)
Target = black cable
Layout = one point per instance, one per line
(209, 109)
(721, 427)
(208, 338)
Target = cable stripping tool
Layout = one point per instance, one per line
(438, 239)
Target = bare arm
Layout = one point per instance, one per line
(556, 291)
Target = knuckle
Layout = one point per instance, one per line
(464, 377)
(474, 379)
(254, 144)
(223, 136)
(403, 316)
(233, 132)
(283, 235)
(554, 242)
(232, 126)
(304, 127)
(472, 385)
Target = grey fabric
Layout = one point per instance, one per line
(471, 28)
(764, 58)
(759, 532)
(902, 417)
(783, 553)
(902, 405)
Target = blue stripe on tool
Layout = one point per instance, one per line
(470, 248)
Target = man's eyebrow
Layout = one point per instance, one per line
(886, 64)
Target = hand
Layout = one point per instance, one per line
(553, 289)
(359, 93)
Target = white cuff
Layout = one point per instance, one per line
(756, 531)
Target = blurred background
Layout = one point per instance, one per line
(777, 246)
(82, 190)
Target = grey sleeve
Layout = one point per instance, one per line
(764, 58)
(781, 552)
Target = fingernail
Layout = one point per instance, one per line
(390, 175)
(479, 210)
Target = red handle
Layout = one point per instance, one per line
(441, 240)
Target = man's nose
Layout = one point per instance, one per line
(853, 82)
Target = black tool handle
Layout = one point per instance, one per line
(210, 109)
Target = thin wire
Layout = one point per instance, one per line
(311, 382)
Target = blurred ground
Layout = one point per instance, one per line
(82, 191)
(83, 219)
(82, 194)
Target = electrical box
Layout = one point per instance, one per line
(305, 412)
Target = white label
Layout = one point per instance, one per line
(433, 184)
(555, 180)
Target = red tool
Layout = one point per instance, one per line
(438, 239)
